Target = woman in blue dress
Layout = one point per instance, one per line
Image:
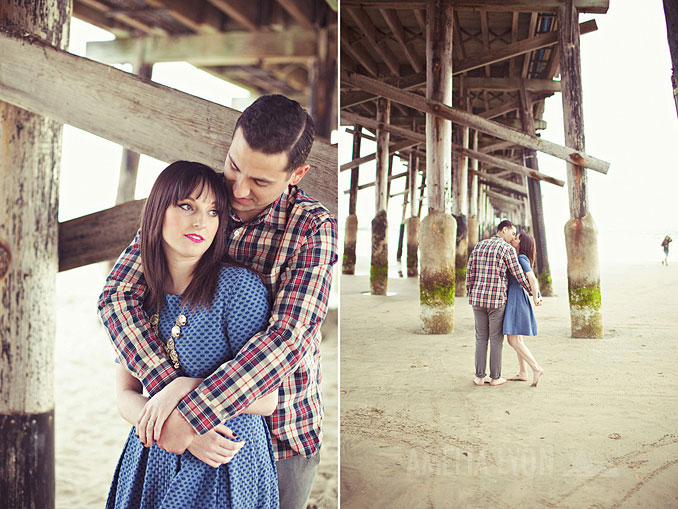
(204, 310)
(519, 318)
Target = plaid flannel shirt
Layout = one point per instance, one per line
(293, 244)
(486, 273)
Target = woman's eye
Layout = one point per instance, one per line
(184, 206)
(214, 213)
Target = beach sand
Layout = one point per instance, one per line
(599, 430)
(89, 431)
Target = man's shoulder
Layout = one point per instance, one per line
(310, 212)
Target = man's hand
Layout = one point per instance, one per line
(214, 449)
(177, 434)
(538, 301)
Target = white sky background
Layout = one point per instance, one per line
(630, 121)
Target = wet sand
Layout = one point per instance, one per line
(599, 430)
(89, 431)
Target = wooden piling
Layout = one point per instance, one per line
(413, 221)
(30, 155)
(460, 136)
(671, 14)
(583, 272)
(351, 231)
(438, 230)
(379, 265)
(472, 196)
(535, 198)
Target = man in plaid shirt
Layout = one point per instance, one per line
(291, 240)
(486, 285)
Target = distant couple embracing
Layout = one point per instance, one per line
(499, 278)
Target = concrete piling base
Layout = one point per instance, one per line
(583, 276)
(413, 247)
(379, 265)
(437, 238)
(348, 266)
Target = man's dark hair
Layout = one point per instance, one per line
(273, 124)
(504, 224)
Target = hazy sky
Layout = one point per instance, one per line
(630, 121)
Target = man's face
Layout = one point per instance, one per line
(508, 234)
(254, 179)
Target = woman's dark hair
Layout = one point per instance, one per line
(527, 247)
(176, 183)
(273, 124)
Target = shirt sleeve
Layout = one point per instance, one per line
(298, 309)
(120, 310)
(470, 272)
(514, 268)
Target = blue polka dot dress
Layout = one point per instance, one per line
(150, 478)
(519, 318)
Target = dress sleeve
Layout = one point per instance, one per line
(298, 310)
(525, 263)
(120, 310)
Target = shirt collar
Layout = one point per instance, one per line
(275, 215)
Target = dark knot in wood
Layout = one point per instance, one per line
(577, 159)
(5, 260)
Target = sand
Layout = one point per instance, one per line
(90, 433)
(599, 430)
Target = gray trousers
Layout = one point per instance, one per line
(295, 480)
(489, 326)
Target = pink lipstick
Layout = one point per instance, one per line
(194, 237)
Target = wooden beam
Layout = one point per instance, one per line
(476, 122)
(120, 16)
(97, 18)
(501, 145)
(353, 118)
(300, 10)
(461, 66)
(353, 45)
(504, 198)
(372, 184)
(242, 11)
(511, 84)
(127, 110)
(230, 48)
(392, 149)
(197, 15)
(501, 183)
(81, 240)
(506, 165)
(591, 6)
(393, 22)
(366, 26)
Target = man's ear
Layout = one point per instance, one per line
(298, 174)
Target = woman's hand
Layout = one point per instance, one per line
(214, 449)
(538, 301)
(155, 412)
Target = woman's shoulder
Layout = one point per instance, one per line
(522, 256)
(233, 276)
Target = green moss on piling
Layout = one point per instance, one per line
(585, 297)
(437, 294)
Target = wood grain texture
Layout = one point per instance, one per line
(142, 116)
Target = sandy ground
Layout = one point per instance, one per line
(89, 431)
(599, 431)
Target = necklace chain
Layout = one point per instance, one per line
(170, 349)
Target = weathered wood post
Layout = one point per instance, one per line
(129, 166)
(401, 233)
(534, 192)
(413, 221)
(472, 196)
(438, 230)
(323, 79)
(460, 136)
(671, 15)
(583, 271)
(379, 267)
(351, 232)
(30, 154)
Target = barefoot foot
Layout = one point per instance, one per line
(536, 376)
(520, 377)
(479, 381)
(498, 381)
